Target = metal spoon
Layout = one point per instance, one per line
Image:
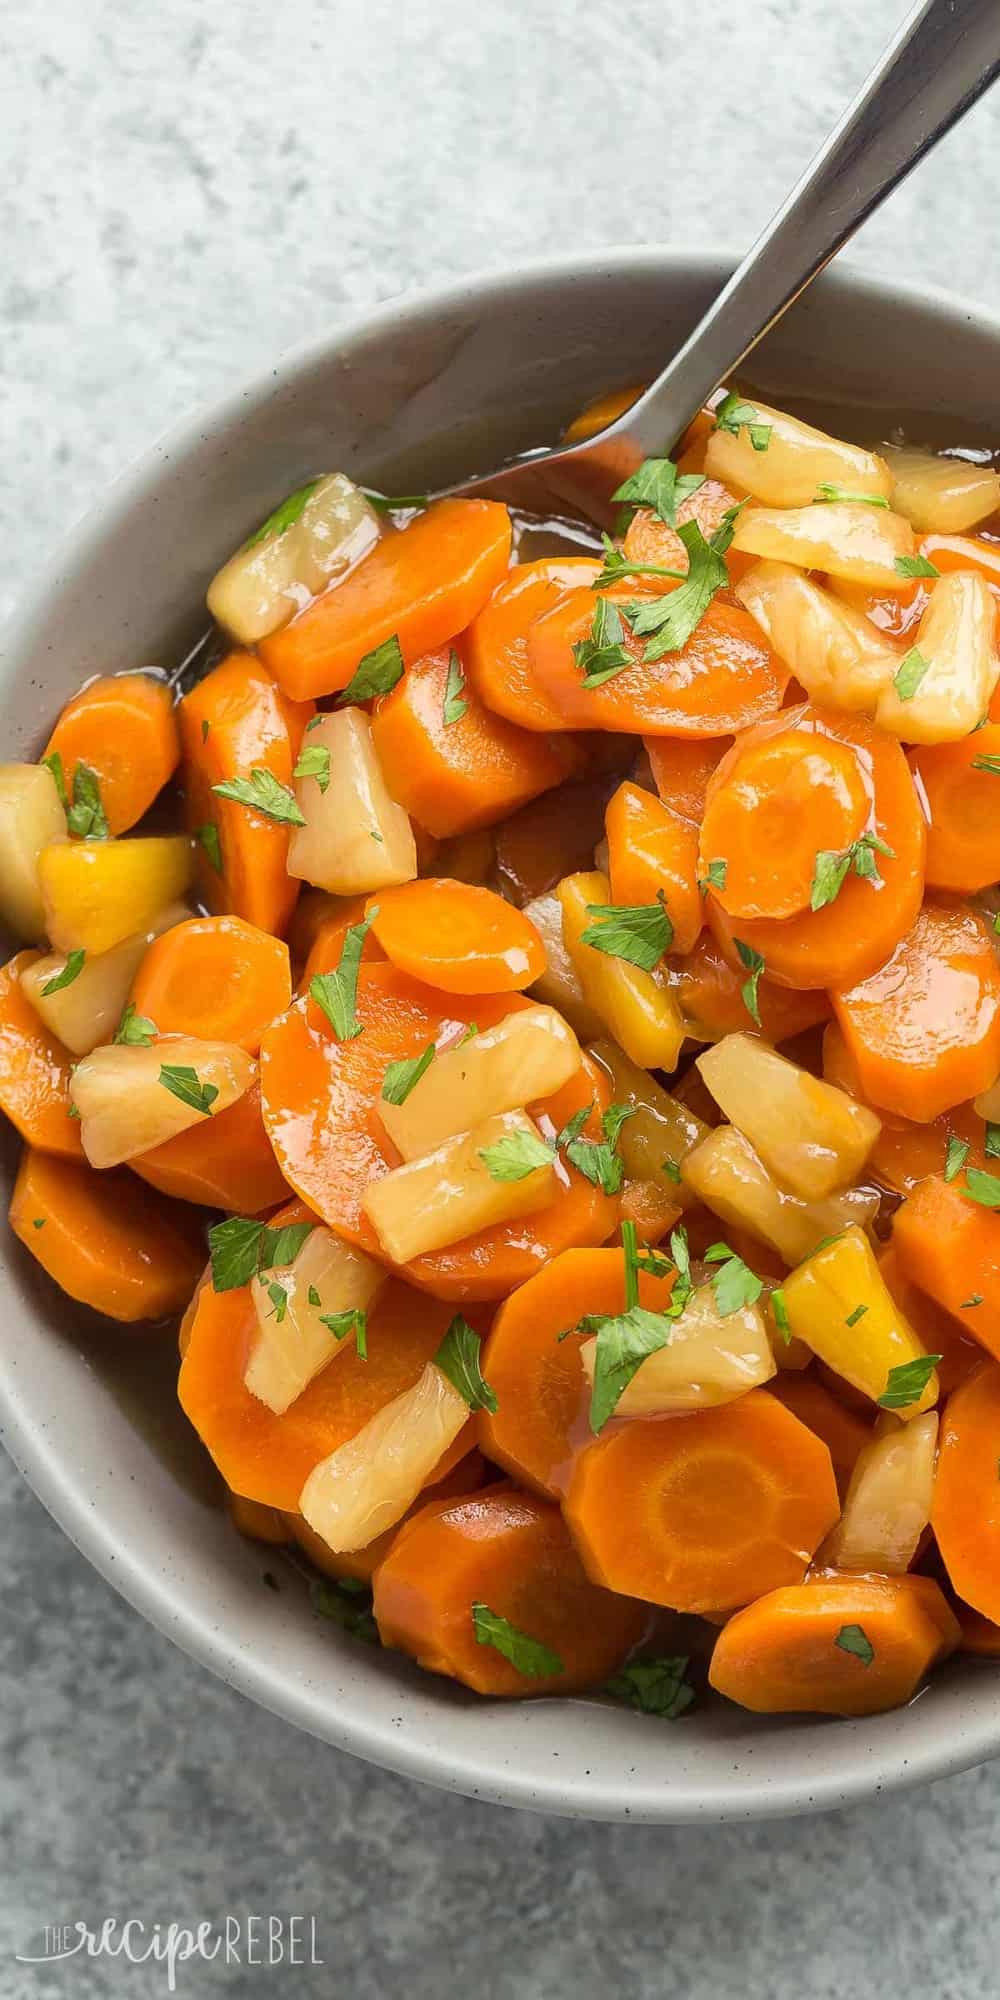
(945, 55)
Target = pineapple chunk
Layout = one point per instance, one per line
(708, 1360)
(640, 1014)
(941, 496)
(846, 538)
(88, 1010)
(356, 837)
(292, 1344)
(31, 818)
(955, 638)
(661, 1130)
(99, 892)
(888, 1503)
(725, 1173)
(126, 1108)
(527, 1055)
(367, 1484)
(558, 986)
(276, 572)
(451, 1192)
(840, 1305)
(797, 461)
(835, 652)
(811, 1136)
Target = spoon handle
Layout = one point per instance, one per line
(945, 55)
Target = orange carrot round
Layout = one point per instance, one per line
(123, 728)
(904, 1152)
(510, 1553)
(842, 1431)
(321, 1098)
(703, 1512)
(651, 540)
(961, 783)
(937, 1332)
(852, 935)
(216, 977)
(924, 1030)
(496, 645)
(711, 996)
(104, 1239)
(837, 1646)
(420, 586)
(774, 805)
(651, 851)
(222, 1162)
(35, 1069)
(682, 767)
(950, 1246)
(965, 1514)
(328, 939)
(457, 937)
(458, 1473)
(542, 1392)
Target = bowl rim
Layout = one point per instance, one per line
(912, 1758)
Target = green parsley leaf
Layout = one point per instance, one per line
(989, 764)
(86, 817)
(603, 654)
(207, 837)
(470, 1032)
(377, 672)
(353, 1320)
(975, 1300)
(854, 1639)
(640, 933)
(285, 516)
(400, 1077)
(853, 1317)
(313, 1296)
(527, 1655)
(614, 1118)
(734, 415)
(395, 503)
(657, 484)
(234, 1247)
(617, 567)
(454, 705)
(991, 1143)
(458, 1357)
(281, 1246)
(624, 1341)
(54, 763)
(911, 566)
(206, 726)
(982, 1188)
(279, 1301)
(955, 1157)
(671, 619)
(336, 1602)
(672, 1170)
(335, 993)
(598, 1163)
(314, 762)
(907, 1382)
(515, 1156)
(716, 877)
(826, 490)
(574, 1126)
(909, 676)
(263, 794)
(830, 874)
(779, 1309)
(749, 991)
(655, 1687)
(734, 1284)
(184, 1083)
(135, 1031)
(38, 1222)
(71, 970)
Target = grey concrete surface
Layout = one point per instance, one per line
(183, 191)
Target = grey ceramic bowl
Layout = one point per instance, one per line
(416, 393)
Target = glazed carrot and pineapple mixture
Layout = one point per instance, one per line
(572, 1007)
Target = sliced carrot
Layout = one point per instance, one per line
(216, 977)
(495, 647)
(35, 1069)
(420, 586)
(924, 1030)
(224, 1162)
(328, 940)
(650, 1205)
(682, 767)
(453, 1478)
(312, 910)
(124, 729)
(454, 776)
(259, 1524)
(552, 836)
(511, 1554)
(542, 1392)
(711, 996)
(774, 804)
(704, 1512)
(965, 1514)
(937, 1332)
(837, 1646)
(652, 852)
(725, 678)
(458, 937)
(266, 1457)
(596, 415)
(961, 783)
(849, 937)
(904, 1152)
(950, 1246)
(321, 1102)
(979, 1634)
(651, 540)
(233, 722)
(104, 1239)
(842, 1431)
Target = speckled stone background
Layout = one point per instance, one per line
(183, 191)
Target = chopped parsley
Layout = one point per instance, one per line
(854, 1639)
(314, 762)
(909, 676)
(733, 1284)
(989, 764)
(454, 705)
(207, 837)
(779, 1309)
(658, 485)
(377, 672)
(400, 1077)
(669, 621)
(832, 868)
(241, 1249)
(458, 1357)
(655, 1687)
(603, 653)
(285, 516)
(184, 1083)
(263, 793)
(527, 1655)
(826, 490)
(750, 990)
(638, 932)
(515, 1156)
(71, 970)
(353, 1320)
(734, 415)
(335, 993)
(907, 1382)
(955, 1157)
(912, 566)
(626, 1339)
(715, 878)
(135, 1031)
(617, 567)
(982, 1188)
(86, 818)
(853, 1317)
